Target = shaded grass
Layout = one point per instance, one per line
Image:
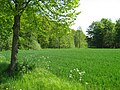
(3, 63)
(3, 66)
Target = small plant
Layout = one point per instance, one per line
(2, 58)
(76, 75)
(25, 67)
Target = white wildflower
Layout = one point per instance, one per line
(83, 72)
(80, 73)
(77, 69)
(71, 71)
(70, 76)
(80, 79)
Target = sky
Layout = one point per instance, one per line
(95, 10)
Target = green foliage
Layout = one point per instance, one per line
(117, 36)
(5, 30)
(43, 23)
(35, 45)
(67, 41)
(49, 35)
(80, 39)
(101, 34)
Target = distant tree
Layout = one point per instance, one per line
(62, 11)
(46, 33)
(101, 34)
(77, 37)
(58, 37)
(83, 40)
(117, 36)
(109, 33)
(67, 40)
(80, 38)
(95, 34)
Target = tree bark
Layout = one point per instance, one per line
(0, 40)
(16, 29)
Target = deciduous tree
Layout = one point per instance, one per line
(101, 34)
(117, 35)
(58, 10)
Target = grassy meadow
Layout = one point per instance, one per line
(63, 69)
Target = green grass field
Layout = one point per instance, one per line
(63, 69)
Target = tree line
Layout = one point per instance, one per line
(38, 32)
(104, 34)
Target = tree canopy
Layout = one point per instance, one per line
(101, 34)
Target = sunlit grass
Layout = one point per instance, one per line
(72, 69)
(40, 79)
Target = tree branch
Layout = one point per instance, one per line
(46, 12)
(24, 7)
(10, 4)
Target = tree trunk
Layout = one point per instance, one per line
(0, 45)
(0, 40)
(16, 29)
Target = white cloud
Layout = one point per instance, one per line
(93, 10)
